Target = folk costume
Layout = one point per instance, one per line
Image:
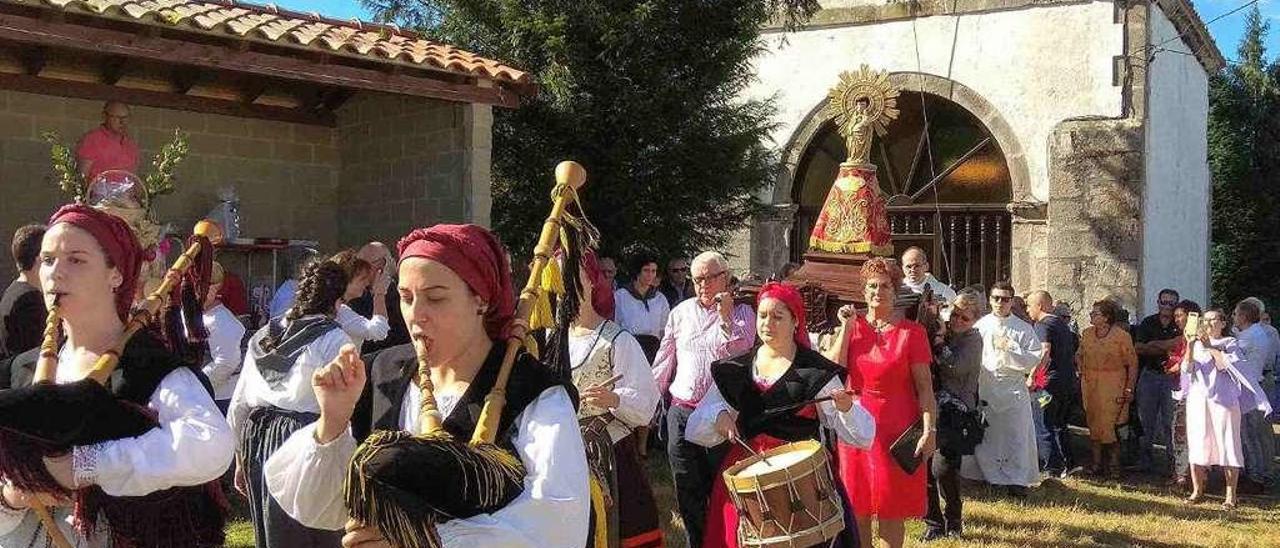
(551, 501)
(147, 448)
(741, 389)
(273, 400)
(627, 502)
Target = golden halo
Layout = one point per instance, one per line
(871, 86)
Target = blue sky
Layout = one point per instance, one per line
(1225, 31)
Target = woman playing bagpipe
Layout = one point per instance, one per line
(618, 393)
(764, 399)
(127, 452)
(274, 397)
(457, 300)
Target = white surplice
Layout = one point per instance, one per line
(1008, 453)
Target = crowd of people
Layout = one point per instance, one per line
(989, 392)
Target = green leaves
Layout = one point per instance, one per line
(646, 95)
(1244, 161)
(66, 169)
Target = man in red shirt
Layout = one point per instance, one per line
(108, 146)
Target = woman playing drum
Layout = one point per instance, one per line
(752, 388)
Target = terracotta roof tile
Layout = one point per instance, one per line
(270, 24)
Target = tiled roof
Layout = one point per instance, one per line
(269, 24)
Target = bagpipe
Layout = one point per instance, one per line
(487, 477)
(47, 419)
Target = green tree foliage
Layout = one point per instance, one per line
(1244, 159)
(645, 94)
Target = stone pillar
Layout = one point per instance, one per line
(770, 248)
(1094, 238)
(477, 125)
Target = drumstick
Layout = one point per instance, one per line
(783, 409)
(609, 382)
(749, 449)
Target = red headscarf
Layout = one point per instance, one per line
(788, 295)
(602, 290)
(118, 242)
(474, 254)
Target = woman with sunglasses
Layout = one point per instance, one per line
(957, 363)
(1108, 367)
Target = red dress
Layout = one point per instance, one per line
(880, 369)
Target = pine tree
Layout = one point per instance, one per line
(1244, 155)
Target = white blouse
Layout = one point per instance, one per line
(360, 328)
(855, 427)
(306, 480)
(192, 445)
(225, 334)
(633, 316)
(295, 392)
(637, 392)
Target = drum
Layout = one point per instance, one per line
(786, 497)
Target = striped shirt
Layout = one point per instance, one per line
(694, 337)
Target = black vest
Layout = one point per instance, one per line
(392, 369)
(804, 381)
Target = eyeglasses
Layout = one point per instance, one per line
(699, 280)
(1001, 298)
(1167, 304)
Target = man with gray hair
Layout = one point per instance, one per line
(1271, 369)
(699, 331)
(1256, 436)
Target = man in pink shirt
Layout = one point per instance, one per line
(108, 146)
(699, 331)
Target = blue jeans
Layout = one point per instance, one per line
(1044, 444)
(1155, 412)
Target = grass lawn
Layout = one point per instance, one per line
(1073, 513)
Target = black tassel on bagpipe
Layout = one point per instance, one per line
(557, 360)
(182, 318)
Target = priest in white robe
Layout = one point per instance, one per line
(1007, 455)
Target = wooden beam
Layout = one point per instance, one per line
(251, 90)
(337, 99)
(113, 69)
(33, 60)
(103, 92)
(28, 30)
(185, 78)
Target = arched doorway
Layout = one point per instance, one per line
(947, 182)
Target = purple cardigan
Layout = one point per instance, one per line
(1228, 387)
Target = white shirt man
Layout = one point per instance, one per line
(1007, 455)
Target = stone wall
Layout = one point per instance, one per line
(1096, 183)
(285, 174)
(409, 163)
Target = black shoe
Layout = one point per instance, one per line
(932, 534)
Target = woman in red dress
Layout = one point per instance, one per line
(888, 360)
